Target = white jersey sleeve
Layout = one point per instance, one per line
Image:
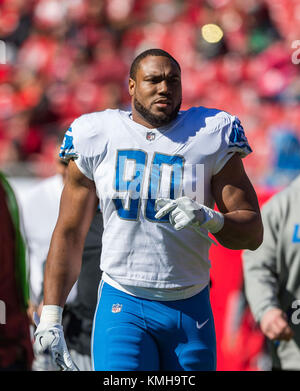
(84, 142)
(232, 140)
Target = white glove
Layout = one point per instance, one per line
(49, 337)
(185, 211)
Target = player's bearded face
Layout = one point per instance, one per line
(156, 119)
(156, 92)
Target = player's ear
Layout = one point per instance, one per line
(131, 87)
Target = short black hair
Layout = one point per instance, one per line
(146, 53)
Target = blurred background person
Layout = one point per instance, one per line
(243, 343)
(15, 342)
(272, 277)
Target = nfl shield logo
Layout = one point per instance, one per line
(150, 136)
(116, 308)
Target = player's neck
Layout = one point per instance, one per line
(137, 117)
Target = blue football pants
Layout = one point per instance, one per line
(134, 334)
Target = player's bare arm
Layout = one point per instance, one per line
(237, 226)
(236, 199)
(77, 208)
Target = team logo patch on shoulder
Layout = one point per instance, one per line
(67, 150)
(238, 139)
(150, 136)
(116, 308)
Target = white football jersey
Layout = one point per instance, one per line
(132, 166)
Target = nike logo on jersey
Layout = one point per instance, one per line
(199, 326)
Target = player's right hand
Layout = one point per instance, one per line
(51, 339)
(274, 325)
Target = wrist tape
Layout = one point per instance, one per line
(213, 220)
(51, 314)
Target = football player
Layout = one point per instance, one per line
(153, 310)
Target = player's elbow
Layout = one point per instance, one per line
(252, 237)
(254, 244)
(256, 238)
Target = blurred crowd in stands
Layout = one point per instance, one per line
(69, 57)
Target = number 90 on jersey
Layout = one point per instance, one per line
(134, 182)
